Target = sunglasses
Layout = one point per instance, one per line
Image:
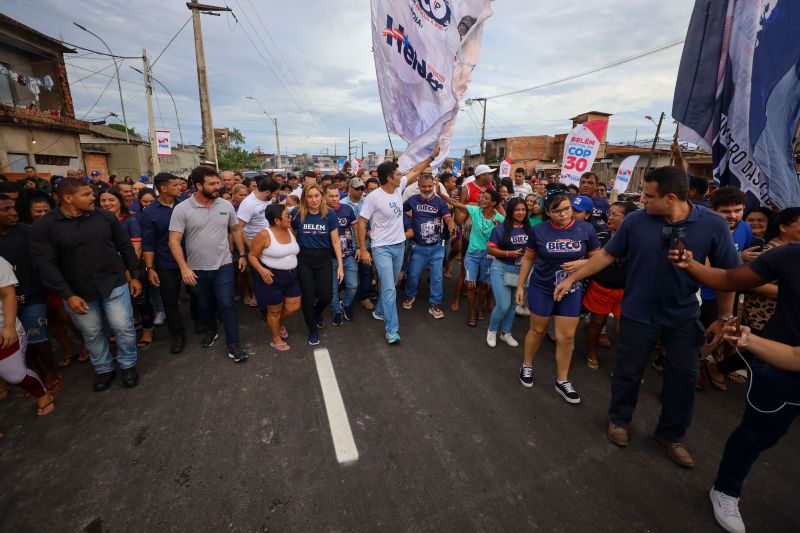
(358, 188)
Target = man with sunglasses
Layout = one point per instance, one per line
(355, 199)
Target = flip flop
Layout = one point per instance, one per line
(717, 384)
(472, 322)
(66, 360)
(41, 411)
(84, 355)
(592, 363)
(55, 385)
(281, 347)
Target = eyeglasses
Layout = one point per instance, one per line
(561, 211)
(358, 188)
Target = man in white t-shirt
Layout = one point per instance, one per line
(251, 210)
(383, 209)
(521, 188)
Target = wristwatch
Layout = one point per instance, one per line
(726, 318)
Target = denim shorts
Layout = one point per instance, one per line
(477, 266)
(34, 320)
(285, 284)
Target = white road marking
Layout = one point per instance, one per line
(343, 442)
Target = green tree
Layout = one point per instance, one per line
(237, 158)
(121, 127)
(235, 136)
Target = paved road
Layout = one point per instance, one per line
(447, 440)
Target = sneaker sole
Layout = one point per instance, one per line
(378, 317)
(528, 385)
(313, 343)
(212, 342)
(434, 316)
(242, 360)
(567, 398)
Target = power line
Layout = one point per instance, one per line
(90, 75)
(98, 72)
(98, 53)
(170, 41)
(98, 98)
(592, 71)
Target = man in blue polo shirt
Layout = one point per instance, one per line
(162, 270)
(429, 214)
(660, 303)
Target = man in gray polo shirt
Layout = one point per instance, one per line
(203, 222)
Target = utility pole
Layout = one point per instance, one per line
(362, 150)
(277, 143)
(209, 142)
(655, 140)
(148, 89)
(349, 144)
(482, 101)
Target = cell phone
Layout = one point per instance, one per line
(679, 243)
(739, 314)
(758, 241)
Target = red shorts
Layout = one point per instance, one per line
(602, 301)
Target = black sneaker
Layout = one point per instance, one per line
(338, 319)
(526, 376)
(568, 392)
(236, 353)
(103, 381)
(347, 310)
(320, 322)
(130, 378)
(209, 338)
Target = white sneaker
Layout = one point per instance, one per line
(491, 338)
(508, 339)
(521, 310)
(160, 318)
(726, 511)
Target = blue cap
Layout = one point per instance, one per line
(143, 179)
(582, 204)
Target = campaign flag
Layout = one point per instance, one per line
(738, 94)
(355, 164)
(340, 164)
(456, 168)
(580, 150)
(163, 145)
(505, 169)
(624, 173)
(425, 52)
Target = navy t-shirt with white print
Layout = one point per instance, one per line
(517, 241)
(427, 217)
(347, 219)
(315, 230)
(555, 246)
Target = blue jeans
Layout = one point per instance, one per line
(431, 257)
(388, 260)
(118, 312)
(350, 267)
(504, 297)
(218, 286)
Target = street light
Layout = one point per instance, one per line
(277, 138)
(177, 118)
(119, 84)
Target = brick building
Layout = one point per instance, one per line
(37, 119)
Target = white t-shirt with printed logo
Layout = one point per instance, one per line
(384, 212)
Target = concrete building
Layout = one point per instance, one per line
(104, 149)
(37, 119)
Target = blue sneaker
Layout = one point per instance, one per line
(313, 338)
(392, 337)
(348, 313)
(376, 316)
(320, 322)
(338, 319)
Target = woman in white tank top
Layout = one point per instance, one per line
(273, 257)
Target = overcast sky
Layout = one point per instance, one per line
(321, 51)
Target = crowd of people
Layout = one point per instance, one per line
(90, 267)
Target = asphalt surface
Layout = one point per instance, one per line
(448, 440)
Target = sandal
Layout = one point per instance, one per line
(281, 346)
(283, 333)
(455, 306)
(66, 360)
(736, 378)
(141, 343)
(46, 409)
(84, 355)
(471, 322)
(592, 363)
(481, 315)
(718, 384)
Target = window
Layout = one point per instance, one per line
(17, 162)
(501, 152)
(54, 160)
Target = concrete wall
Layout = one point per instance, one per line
(18, 140)
(134, 159)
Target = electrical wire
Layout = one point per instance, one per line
(98, 72)
(98, 98)
(170, 41)
(90, 75)
(596, 69)
(98, 53)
